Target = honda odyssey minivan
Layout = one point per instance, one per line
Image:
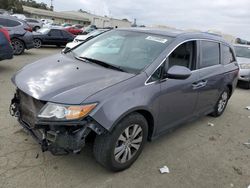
(124, 87)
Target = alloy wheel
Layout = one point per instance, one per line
(128, 143)
(18, 46)
(223, 101)
(37, 43)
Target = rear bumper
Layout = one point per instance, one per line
(28, 40)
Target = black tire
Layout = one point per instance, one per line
(37, 43)
(18, 46)
(221, 103)
(244, 85)
(105, 145)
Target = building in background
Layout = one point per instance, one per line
(57, 17)
(101, 21)
(75, 17)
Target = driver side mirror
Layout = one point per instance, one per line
(177, 72)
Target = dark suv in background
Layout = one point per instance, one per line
(20, 33)
(125, 86)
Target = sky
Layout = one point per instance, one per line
(229, 16)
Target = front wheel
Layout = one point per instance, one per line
(222, 103)
(119, 149)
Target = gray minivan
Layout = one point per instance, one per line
(123, 88)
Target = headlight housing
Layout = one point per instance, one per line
(245, 66)
(59, 112)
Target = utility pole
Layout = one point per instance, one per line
(51, 5)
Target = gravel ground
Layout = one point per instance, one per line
(197, 155)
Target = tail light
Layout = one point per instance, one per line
(6, 33)
(28, 29)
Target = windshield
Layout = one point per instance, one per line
(43, 30)
(242, 51)
(130, 51)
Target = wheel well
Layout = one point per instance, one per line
(230, 87)
(148, 116)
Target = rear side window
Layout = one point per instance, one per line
(3, 22)
(31, 21)
(12, 23)
(227, 55)
(66, 34)
(210, 54)
(56, 33)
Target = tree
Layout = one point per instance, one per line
(14, 5)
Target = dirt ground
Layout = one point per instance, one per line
(198, 155)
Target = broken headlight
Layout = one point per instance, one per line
(65, 112)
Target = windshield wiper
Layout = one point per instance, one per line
(102, 63)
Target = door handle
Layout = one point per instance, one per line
(200, 84)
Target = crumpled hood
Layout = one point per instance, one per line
(241, 60)
(63, 79)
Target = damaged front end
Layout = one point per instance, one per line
(58, 137)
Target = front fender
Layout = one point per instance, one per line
(125, 101)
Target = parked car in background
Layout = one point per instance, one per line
(78, 26)
(20, 33)
(34, 23)
(66, 24)
(125, 87)
(73, 30)
(6, 51)
(243, 57)
(48, 36)
(82, 38)
(88, 29)
(19, 16)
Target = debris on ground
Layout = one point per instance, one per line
(248, 186)
(231, 185)
(247, 144)
(237, 170)
(210, 124)
(248, 107)
(212, 138)
(164, 169)
(37, 155)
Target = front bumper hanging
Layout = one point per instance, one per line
(57, 137)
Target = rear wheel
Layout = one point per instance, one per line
(222, 103)
(37, 43)
(119, 149)
(18, 46)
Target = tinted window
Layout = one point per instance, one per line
(55, 33)
(66, 34)
(210, 54)
(31, 21)
(12, 23)
(184, 55)
(2, 22)
(227, 55)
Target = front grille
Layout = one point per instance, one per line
(29, 108)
